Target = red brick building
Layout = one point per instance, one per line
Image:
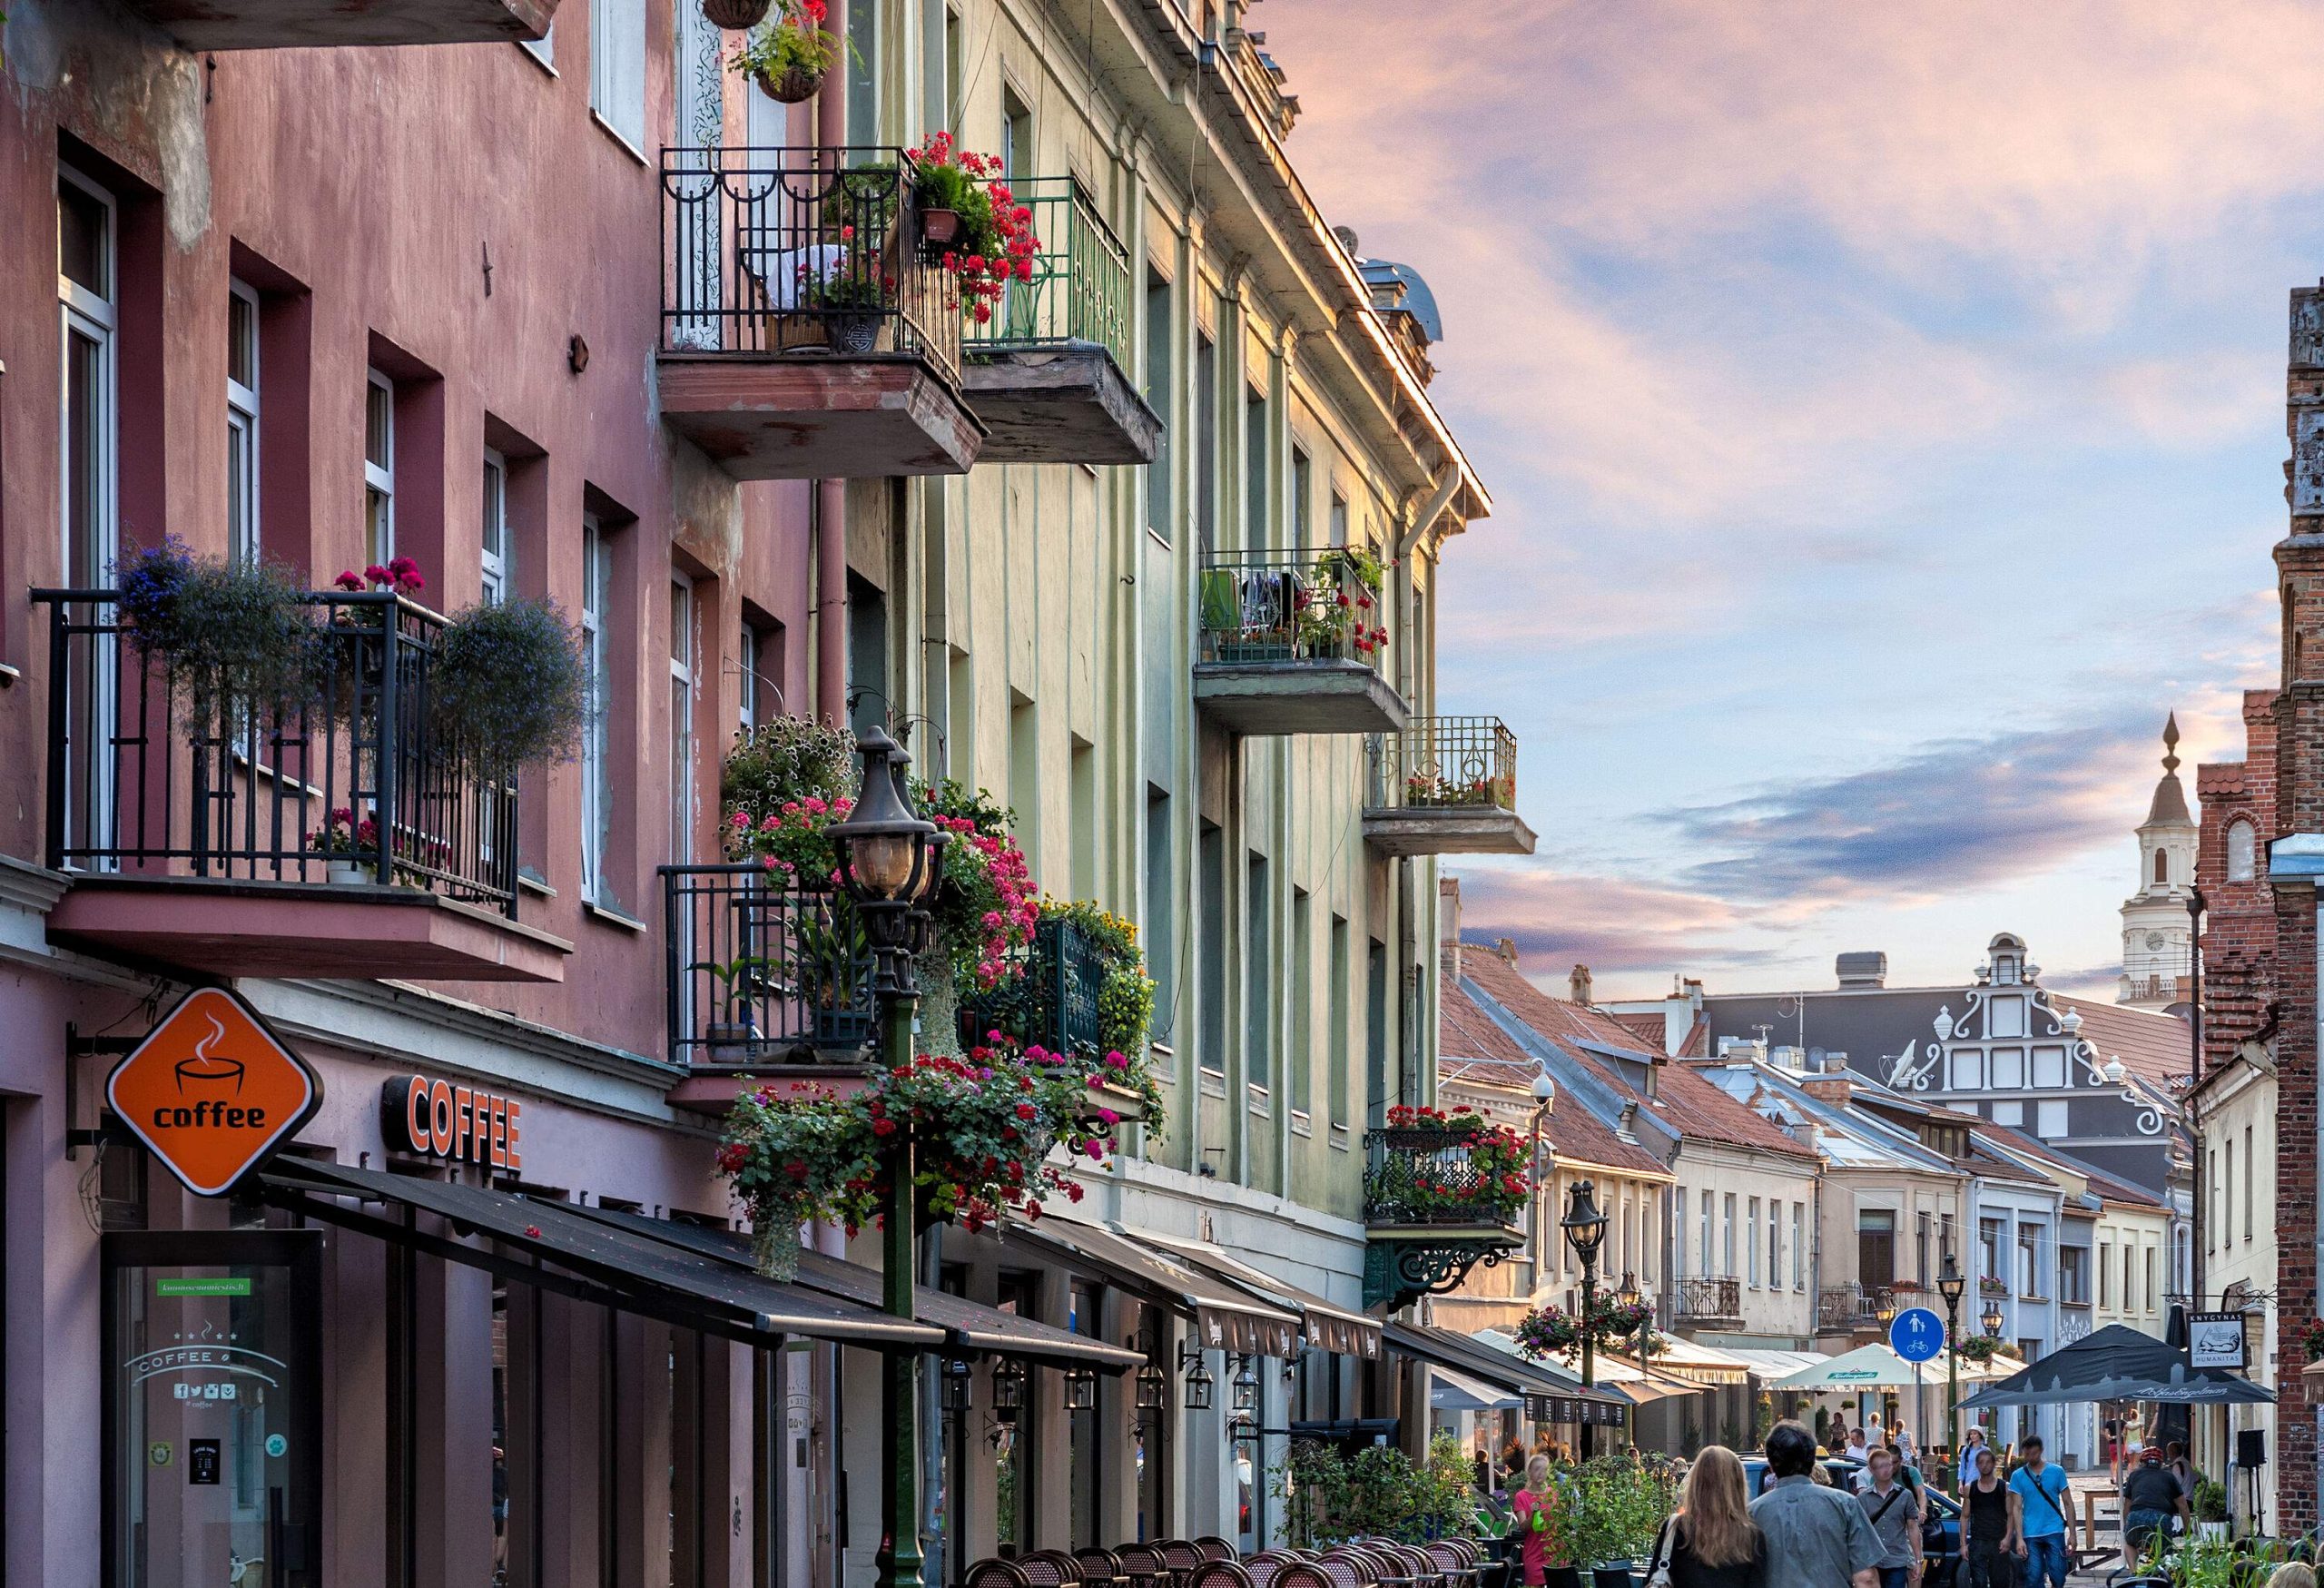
(2239, 817)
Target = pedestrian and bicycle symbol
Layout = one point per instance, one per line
(1918, 1334)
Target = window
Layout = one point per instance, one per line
(2227, 1197)
(1303, 1001)
(2161, 866)
(864, 117)
(2105, 1273)
(2148, 1297)
(1704, 1238)
(379, 468)
(682, 684)
(746, 693)
(1206, 441)
(2050, 1119)
(242, 422)
(1679, 1246)
(1303, 500)
(2009, 1111)
(1752, 1248)
(1341, 1112)
(1799, 1246)
(1255, 453)
(1989, 1238)
(2247, 1182)
(596, 762)
(89, 523)
(1727, 1235)
(2073, 1273)
(2029, 1260)
(1159, 365)
(618, 68)
(499, 550)
(1161, 912)
(2130, 1275)
(1210, 857)
(1375, 1038)
(1876, 1249)
(955, 80)
(1258, 971)
(2241, 853)
(1339, 519)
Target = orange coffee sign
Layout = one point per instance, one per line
(211, 1091)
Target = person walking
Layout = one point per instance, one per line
(1894, 1510)
(2114, 1448)
(1531, 1513)
(1971, 1444)
(2151, 1497)
(1856, 1448)
(2042, 1517)
(1711, 1541)
(1817, 1537)
(1989, 1526)
(1906, 1452)
(2174, 1459)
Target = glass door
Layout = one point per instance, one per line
(213, 1425)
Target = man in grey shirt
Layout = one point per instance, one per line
(1817, 1537)
(1895, 1512)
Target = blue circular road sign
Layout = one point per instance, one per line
(1918, 1334)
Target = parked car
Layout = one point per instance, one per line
(1940, 1525)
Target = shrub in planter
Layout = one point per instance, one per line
(227, 632)
(511, 687)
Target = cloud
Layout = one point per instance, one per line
(1558, 919)
(1951, 816)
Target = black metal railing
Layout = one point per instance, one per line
(1053, 1003)
(162, 769)
(1706, 1297)
(759, 973)
(1854, 1305)
(1446, 763)
(805, 252)
(1291, 606)
(1421, 1178)
(1080, 290)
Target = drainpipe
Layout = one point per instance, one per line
(830, 495)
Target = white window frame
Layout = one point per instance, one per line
(746, 714)
(95, 318)
(242, 434)
(617, 70)
(496, 567)
(595, 762)
(379, 477)
(1751, 1244)
(1799, 1246)
(684, 680)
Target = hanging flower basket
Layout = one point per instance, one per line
(794, 86)
(735, 15)
(789, 56)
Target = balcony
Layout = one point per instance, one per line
(184, 815)
(1705, 1302)
(1430, 1217)
(1291, 643)
(1046, 375)
(1854, 1306)
(763, 980)
(805, 335)
(267, 25)
(1446, 785)
(1052, 1004)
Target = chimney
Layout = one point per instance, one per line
(1626, 1122)
(1577, 983)
(1448, 922)
(1831, 1089)
(1864, 971)
(1506, 947)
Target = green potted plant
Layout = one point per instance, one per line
(741, 981)
(789, 57)
(510, 687)
(784, 760)
(846, 294)
(233, 636)
(2209, 1505)
(971, 223)
(349, 846)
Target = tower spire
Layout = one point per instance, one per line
(2171, 743)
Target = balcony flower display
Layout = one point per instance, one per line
(1429, 788)
(983, 1126)
(972, 222)
(1551, 1331)
(510, 687)
(401, 575)
(850, 289)
(1977, 1349)
(1337, 611)
(1103, 1028)
(789, 56)
(1992, 1285)
(232, 636)
(1449, 1166)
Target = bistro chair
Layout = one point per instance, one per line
(1457, 1565)
(1097, 1565)
(1140, 1563)
(1213, 1548)
(1304, 1574)
(1050, 1568)
(1384, 1567)
(995, 1573)
(1349, 1567)
(1179, 1556)
(1419, 1564)
(1219, 1575)
(1262, 1573)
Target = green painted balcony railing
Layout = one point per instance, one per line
(1276, 606)
(1446, 763)
(1081, 286)
(1054, 1003)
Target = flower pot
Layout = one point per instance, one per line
(774, 1243)
(735, 15)
(349, 873)
(789, 87)
(939, 229)
(730, 1042)
(855, 334)
(1560, 1577)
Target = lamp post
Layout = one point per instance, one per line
(1545, 1092)
(1585, 1231)
(1950, 1285)
(887, 861)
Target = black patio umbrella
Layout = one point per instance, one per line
(2119, 1364)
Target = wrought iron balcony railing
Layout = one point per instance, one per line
(1284, 607)
(1704, 1297)
(1081, 286)
(801, 251)
(1853, 1305)
(1418, 1179)
(1054, 1003)
(1446, 763)
(156, 772)
(759, 974)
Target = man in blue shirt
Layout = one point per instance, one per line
(2041, 1491)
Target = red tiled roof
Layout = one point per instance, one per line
(1648, 1026)
(1471, 1047)
(1688, 1103)
(2154, 1047)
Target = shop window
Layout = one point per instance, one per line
(1086, 1449)
(242, 422)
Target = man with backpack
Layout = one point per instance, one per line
(2041, 1490)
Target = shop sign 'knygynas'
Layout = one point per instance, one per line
(210, 1091)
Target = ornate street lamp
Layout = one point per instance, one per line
(1992, 1318)
(1199, 1383)
(1008, 1388)
(956, 1379)
(1950, 1284)
(1585, 1232)
(889, 858)
(1080, 1389)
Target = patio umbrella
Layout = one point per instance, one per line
(2119, 1364)
(1874, 1367)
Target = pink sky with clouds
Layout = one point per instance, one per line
(1883, 406)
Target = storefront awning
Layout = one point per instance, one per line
(973, 1329)
(1444, 1348)
(1329, 1326)
(1226, 1318)
(584, 1257)
(1452, 1391)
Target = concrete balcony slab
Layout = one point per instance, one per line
(1446, 830)
(232, 928)
(1066, 403)
(798, 416)
(274, 25)
(1266, 698)
(714, 1092)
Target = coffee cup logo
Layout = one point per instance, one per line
(207, 1074)
(210, 1092)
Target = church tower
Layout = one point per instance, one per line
(2156, 929)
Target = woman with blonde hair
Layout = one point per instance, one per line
(1533, 1513)
(1711, 1541)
